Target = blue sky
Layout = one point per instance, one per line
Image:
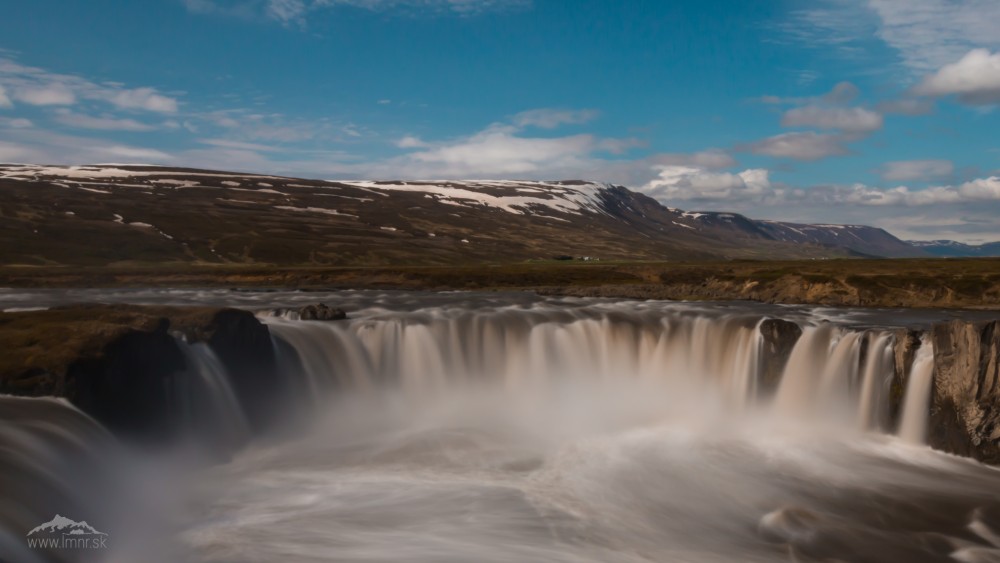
(842, 111)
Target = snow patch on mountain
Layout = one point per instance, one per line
(513, 198)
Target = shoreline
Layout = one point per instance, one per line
(972, 284)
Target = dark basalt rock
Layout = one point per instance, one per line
(780, 337)
(907, 342)
(131, 387)
(321, 312)
(127, 368)
(244, 346)
(965, 411)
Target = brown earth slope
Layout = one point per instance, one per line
(118, 215)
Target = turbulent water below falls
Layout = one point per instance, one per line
(552, 430)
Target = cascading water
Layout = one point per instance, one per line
(913, 423)
(875, 381)
(561, 430)
(214, 406)
(715, 358)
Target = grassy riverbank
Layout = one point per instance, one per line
(972, 283)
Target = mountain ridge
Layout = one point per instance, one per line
(954, 249)
(113, 214)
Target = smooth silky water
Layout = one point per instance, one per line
(494, 428)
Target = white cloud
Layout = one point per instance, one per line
(250, 126)
(146, 99)
(4, 100)
(711, 159)
(981, 189)
(907, 106)
(975, 79)
(974, 191)
(926, 34)
(677, 183)
(52, 94)
(411, 142)
(931, 33)
(966, 212)
(100, 123)
(135, 154)
(36, 86)
(826, 112)
(15, 123)
(37, 145)
(798, 146)
(854, 120)
(497, 150)
(841, 93)
(12, 152)
(296, 11)
(463, 7)
(238, 145)
(911, 170)
(546, 118)
(286, 11)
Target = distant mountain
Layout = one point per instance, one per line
(952, 249)
(123, 214)
(860, 240)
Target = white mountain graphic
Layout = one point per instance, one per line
(64, 525)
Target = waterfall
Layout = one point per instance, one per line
(531, 430)
(875, 381)
(691, 356)
(802, 375)
(214, 403)
(913, 423)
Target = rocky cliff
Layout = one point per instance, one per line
(124, 365)
(965, 410)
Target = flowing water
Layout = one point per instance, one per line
(507, 428)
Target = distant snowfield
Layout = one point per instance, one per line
(516, 197)
(560, 198)
(91, 172)
(323, 210)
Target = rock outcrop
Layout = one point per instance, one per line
(131, 387)
(124, 366)
(244, 346)
(321, 312)
(965, 412)
(780, 337)
(904, 351)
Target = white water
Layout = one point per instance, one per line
(218, 410)
(916, 405)
(712, 359)
(875, 382)
(600, 432)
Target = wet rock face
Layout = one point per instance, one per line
(134, 378)
(321, 312)
(131, 388)
(780, 337)
(904, 351)
(244, 346)
(965, 414)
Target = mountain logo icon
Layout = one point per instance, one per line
(64, 533)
